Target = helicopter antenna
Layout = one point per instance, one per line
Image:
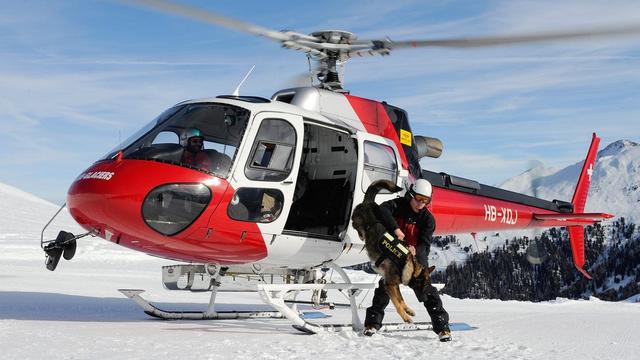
(310, 70)
(236, 92)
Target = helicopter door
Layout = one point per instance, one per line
(265, 182)
(264, 178)
(377, 159)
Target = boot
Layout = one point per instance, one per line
(444, 335)
(369, 331)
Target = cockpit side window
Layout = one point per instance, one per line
(273, 151)
(166, 137)
(379, 163)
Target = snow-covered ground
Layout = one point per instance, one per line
(76, 313)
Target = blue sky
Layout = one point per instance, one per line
(78, 76)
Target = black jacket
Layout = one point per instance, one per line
(400, 208)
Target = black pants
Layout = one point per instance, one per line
(426, 294)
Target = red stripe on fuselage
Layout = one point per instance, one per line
(375, 120)
(113, 206)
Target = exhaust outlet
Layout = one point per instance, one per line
(428, 146)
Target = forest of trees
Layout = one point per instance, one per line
(612, 259)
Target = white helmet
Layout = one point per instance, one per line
(188, 134)
(422, 187)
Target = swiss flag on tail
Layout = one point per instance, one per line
(576, 232)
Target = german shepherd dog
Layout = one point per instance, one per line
(370, 230)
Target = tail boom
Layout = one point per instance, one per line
(466, 206)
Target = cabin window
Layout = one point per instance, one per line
(379, 163)
(256, 205)
(273, 151)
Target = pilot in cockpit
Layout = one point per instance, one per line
(193, 143)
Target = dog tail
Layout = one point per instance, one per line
(376, 186)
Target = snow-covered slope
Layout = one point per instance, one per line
(22, 211)
(615, 186)
(22, 219)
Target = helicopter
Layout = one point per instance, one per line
(280, 176)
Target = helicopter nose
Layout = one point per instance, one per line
(143, 204)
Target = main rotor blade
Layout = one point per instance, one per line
(216, 19)
(514, 39)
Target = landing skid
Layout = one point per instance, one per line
(386, 328)
(393, 327)
(271, 294)
(210, 314)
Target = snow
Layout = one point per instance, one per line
(76, 312)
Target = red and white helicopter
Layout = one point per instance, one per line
(281, 176)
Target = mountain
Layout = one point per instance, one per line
(615, 186)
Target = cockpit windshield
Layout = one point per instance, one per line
(202, 136)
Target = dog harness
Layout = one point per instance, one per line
(393, 249)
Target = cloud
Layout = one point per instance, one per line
(487, 168)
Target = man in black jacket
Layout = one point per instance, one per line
(409, 220)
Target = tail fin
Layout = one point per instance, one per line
(376, 186)
(576, 232)
(582, 187)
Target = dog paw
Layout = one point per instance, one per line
(410, 311)
(408, 319)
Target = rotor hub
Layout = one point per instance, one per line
(335, 36)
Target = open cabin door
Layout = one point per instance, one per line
(323, 195)
(378, 159)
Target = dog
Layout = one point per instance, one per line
(371, 231)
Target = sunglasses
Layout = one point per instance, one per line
(423, 199)
(196, 141)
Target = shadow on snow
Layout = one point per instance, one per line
(16, 305)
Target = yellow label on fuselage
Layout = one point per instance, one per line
(405, 137)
